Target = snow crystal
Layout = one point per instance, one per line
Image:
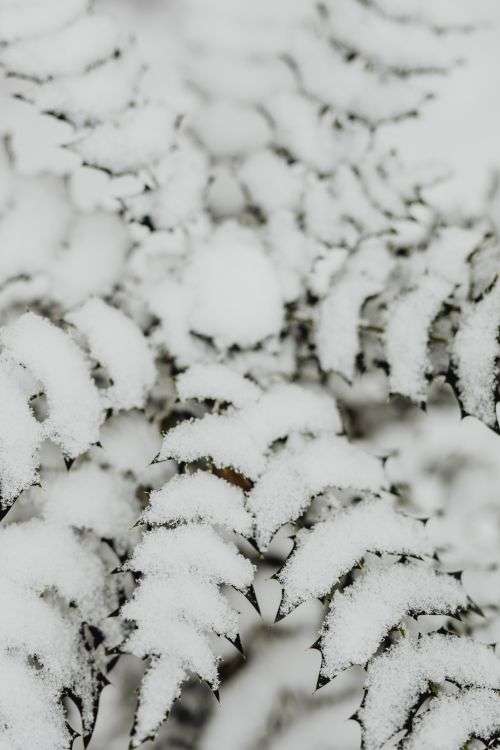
(362, 615)
(398, 677)
(75, 412)
(199, 497)
(294, 476)
(216, 382)
(332, 548)
(119, 345)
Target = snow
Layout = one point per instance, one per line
(356, 26)
(217, 382)
(37, 721)
(294, 476)
(128, 441)
(452, 720)
(332, 548)
(195, 549)
(475, 351)
(350, 86)
(241, 438)
(20, 438)
(75, 412)
(136, 139)
(42, 556)
(361, 615)
(199, 497)
(118, 344)
(160, 686)
(398, 677)
(23, 20)
(409, 319)
(272, 184)
(91, 498)
(93, 261)
(337, 333)
(228, 129)
(235, 294)
(69, 50)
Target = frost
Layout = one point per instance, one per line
(400, 676)
(362, 615)
(119, 346)
(75, 413)
(332, 548)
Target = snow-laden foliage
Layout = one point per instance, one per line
(50, 392)
(75, 101)
(283, 184)
(221, 199)
(56, 593)
(237, 464)
(412, 671)
(375, 569)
